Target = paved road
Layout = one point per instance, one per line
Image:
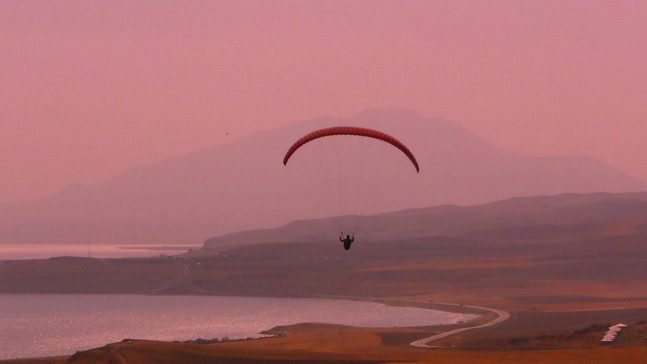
(422, 343)
(501, 316)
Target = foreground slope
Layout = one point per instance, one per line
(312, 343)
(244, 185)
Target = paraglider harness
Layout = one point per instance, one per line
(347, 241)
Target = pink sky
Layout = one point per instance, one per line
(88, 88)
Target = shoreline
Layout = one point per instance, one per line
(328, 343)
(269, 332)
(481, 321)
(501, 316)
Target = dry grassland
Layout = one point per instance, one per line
(335, 344)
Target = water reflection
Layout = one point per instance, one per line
(47, 325)
(44, 251)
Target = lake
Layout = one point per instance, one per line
(44, 251)
(48, 325)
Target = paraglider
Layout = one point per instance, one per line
(353, 131)
(347, 241)
(350, 130)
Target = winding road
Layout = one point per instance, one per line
(501, 316)
(422, 343)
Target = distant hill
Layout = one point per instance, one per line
(243, 185)
(524, 218)
(544, 251)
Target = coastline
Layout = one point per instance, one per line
(272, 330)
(486, 316)
(328, 343)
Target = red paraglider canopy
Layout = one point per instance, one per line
(350, 130)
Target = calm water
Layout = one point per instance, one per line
(48, 325)
(44, 251)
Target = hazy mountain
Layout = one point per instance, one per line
(243, 185)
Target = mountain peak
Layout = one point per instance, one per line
(388, 114)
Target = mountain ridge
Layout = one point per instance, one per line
(565, 211)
